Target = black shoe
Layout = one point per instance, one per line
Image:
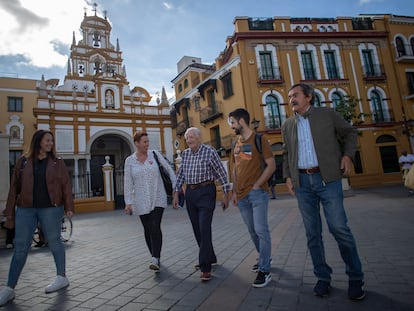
(322, 288)
(356, 290)
(262, 279)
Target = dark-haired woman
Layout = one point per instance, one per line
(41, 191)
(145, 194)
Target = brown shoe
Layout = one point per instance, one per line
(205, 276)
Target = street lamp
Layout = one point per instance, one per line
(255, 123)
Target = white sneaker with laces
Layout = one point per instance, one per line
(6, 295)
(59, 283)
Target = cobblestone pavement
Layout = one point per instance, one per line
(107, 262)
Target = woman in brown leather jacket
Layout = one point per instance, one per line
(40, 189)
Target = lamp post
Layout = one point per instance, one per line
(255, 123)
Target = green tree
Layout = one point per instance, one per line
(347, 108)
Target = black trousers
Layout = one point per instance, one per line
(152, 230)
(200, 203)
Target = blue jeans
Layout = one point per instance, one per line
(26, 220)
(253, 209)
(311, 193)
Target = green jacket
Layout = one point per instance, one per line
(326, 126)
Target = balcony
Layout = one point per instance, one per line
(374, 72)
(269, 75)
(211, 113)
(404, 53)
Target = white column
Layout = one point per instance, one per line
(76, 174)
(108, 172)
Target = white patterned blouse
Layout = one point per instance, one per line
(143, 186)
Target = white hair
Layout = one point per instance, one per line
(195, 130)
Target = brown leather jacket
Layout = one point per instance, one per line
(58, 186)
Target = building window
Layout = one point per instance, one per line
(410, 80)
(369, 66)
(185, 83)
(215, 137)
(317, 101)
(227, 85)
(400, 47)
(331, 67)
(412, 46)
(273, 116)
(15, 104)
(180, 88)
(308, 68)
(212, 101)
(266, 66)
(377, 109)
(336, 99)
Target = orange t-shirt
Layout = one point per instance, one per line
(248, 164)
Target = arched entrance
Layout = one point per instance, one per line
(118, 148)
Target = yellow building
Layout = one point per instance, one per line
(93, 116)
(18, 97)
(367, 60)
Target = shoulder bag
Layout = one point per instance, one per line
(164, 176)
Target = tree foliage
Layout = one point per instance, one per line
(347, 108)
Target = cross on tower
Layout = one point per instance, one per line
(95, 5)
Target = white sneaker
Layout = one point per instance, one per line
(59, 283)
(6, 295)
(155, 264)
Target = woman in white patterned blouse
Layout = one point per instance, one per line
(145, 194)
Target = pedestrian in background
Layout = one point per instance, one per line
(40, 188)
(200, 167)
(406, 160)
(145, 194)
(313, 166)
(272, 185)
(251, 189)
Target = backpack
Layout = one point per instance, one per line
(258, 143)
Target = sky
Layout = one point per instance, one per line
(153, 34)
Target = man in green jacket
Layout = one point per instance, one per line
(313, 165)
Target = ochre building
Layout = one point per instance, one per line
(365, 62)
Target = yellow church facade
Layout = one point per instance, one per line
(368, 59)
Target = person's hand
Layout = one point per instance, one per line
(128, 209)
(226, 201)
(175, 200)
(69, 214)
(234, 198)
(346, 165)
(289, 186)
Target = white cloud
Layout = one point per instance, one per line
(35, 33)
(167, 5)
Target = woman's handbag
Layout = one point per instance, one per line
(409, 179)
(164, 176)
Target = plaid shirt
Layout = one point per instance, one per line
(201, 166)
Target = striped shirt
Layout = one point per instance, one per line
(203, 165)
(306, 150)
